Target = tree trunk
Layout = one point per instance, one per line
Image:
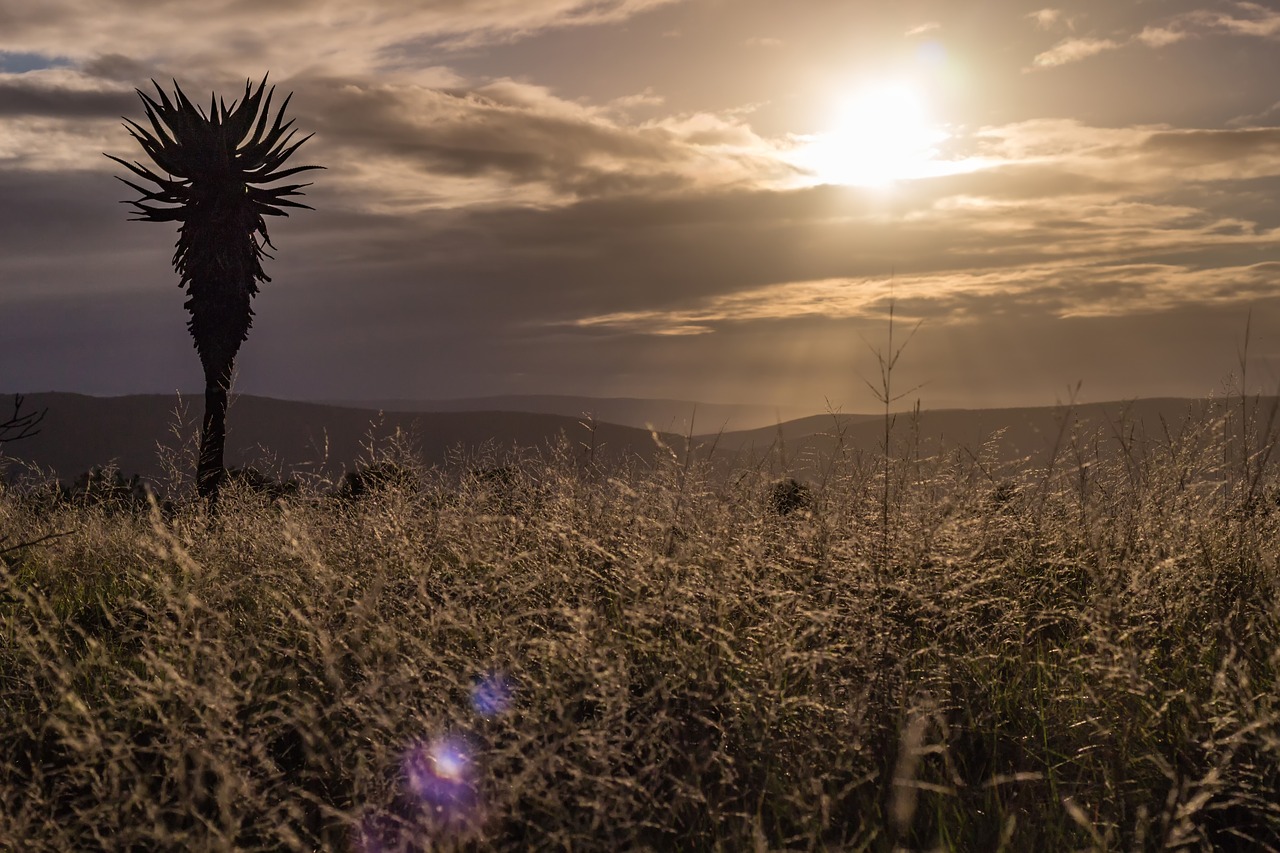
(210, 472)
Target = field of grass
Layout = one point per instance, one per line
(931, 654)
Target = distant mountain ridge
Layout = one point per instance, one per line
(1005, 435)
(639, 412)
(281, 436)
(81, 432)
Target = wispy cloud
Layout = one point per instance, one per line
(1047, 19)
(963, 297)
(1161, 36)
(1247, 19)
(1256, 119)
(1243, 19)
(921, 29)
(319, 37)
(1073, 50)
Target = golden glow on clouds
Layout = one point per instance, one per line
(1088, 242)
(1244, 19)
(507, 143)
(1061, 289)
(1074, 50)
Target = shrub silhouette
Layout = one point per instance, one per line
(788, 496)
(368, 480)
(217, 165)
(505, 488)
(253, 480)
(109, 489)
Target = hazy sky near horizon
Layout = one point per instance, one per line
(699, 199)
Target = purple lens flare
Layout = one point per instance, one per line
(440, 775)
(491, 695)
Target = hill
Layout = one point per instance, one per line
(133, 433)
(662, 414)
(1003, 435)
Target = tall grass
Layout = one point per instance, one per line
(557, 656)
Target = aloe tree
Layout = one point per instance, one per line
(216, 167)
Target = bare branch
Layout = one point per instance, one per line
(22, 545)
(20, 425)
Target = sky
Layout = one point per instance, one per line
(714, 200)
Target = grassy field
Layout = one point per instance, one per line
(932, 653)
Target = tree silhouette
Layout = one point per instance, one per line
(216, 166)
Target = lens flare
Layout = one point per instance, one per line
(438, 774)
(491, 695)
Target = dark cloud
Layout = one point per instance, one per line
(116, 67)
(519, 134)
(1199, 147)
(20, 98)
(470, 132)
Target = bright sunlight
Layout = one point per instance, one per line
(881, 134)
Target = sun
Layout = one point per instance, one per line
(881, 134)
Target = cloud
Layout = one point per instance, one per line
(61, 94)
(1075, 222)
(1216, 155)
(1267, 115)
(402, 146)
(56, 119)
(530, 236)
(1138, 157)
(511, 178)
(646, 98)
(290, 36)
(964, 297)
(1249, 19)
(1244, 20)
(1073, 50)
(1161, 36)
(1046, 19)
(1067, 221)
(519, 143)
(763, 41)
(921, 29)
(960, 257)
